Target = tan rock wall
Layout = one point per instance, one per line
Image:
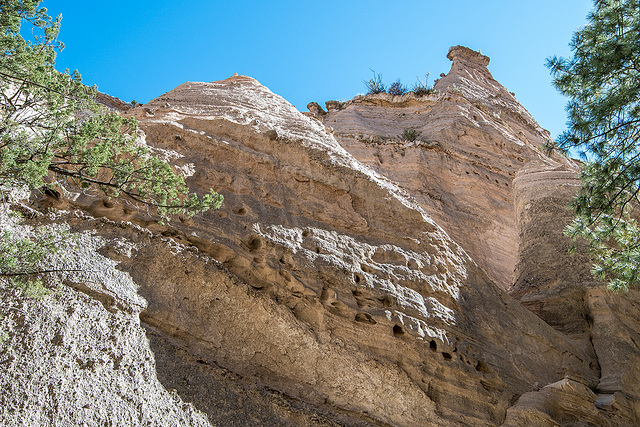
(558, 287)
(362, 275)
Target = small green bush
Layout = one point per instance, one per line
(375, 84)
(397, 88)
(422, 89)
(20, 258)
(410, 134)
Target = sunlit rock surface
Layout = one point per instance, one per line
(353, 277)
(473, 137)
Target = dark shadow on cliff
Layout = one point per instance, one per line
(229, 399)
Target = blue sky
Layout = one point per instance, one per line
(314, 51)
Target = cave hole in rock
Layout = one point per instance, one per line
(433, 346)
(52, 193)
(357, 278)
(482, 367)
(398, 331)
(255, 243)
(386, 301)
(446, 356)
(365, 318)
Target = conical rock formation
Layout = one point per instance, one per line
(360, 275)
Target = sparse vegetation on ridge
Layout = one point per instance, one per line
(375, 85)
(422, 89)
(397, 88)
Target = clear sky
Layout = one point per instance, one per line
(315, 51)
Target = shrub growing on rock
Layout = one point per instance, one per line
(397, 88)
(375, 84)
(422, 89)
(410, 134)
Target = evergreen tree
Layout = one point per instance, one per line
(50, 125)
(602, 80)
(51, 129)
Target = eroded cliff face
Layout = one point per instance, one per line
(358, 277)
(474, 136)
(79, 356)
(559, 288)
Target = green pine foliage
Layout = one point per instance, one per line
(22, 255)
(51, 126)
(52, 130)
(602, 80)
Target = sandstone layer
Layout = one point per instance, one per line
(353, 277)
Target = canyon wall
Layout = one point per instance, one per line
(352, 277)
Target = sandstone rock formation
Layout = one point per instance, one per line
(352, 277)
(474, 136)
(558, 287)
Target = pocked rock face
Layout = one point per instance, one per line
(355, 272)
(342, 289)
